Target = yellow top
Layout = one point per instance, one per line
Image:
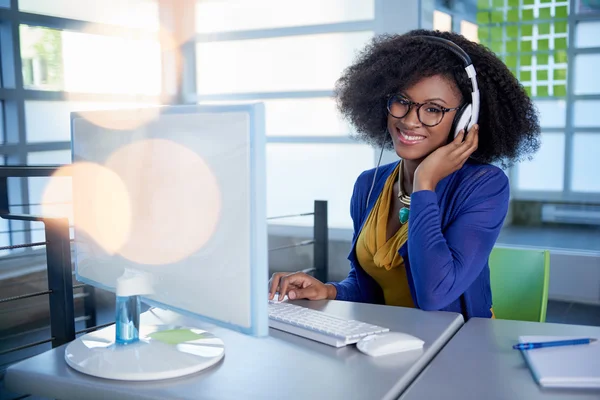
(379, 257)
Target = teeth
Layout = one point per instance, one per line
(413, 138)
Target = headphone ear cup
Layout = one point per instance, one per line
(461, 119)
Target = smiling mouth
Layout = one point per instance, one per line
(409, 137)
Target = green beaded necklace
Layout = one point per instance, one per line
(404, 198)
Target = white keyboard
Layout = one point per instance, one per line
(317, 325)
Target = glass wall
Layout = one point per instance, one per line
(61, 56)
(555, 53)
(288, 55)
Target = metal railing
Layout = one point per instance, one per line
(59, 267)
(320, 240)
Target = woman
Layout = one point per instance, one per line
(424, 227)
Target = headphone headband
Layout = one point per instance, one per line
(469, 114)
(453, 47)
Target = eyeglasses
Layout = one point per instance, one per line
(430, 114)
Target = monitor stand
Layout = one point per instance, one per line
(126, 351)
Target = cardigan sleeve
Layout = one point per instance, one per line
(445, 263)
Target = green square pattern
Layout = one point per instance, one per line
(560, 74)
(496, 33)
(560, 27)
(560, 90)
(497, 47)
(545, 13)
(483, 32)
(560, 57)
(497, 17)
(483, 18)
(560, 44)
(561, 12)
(503, 25)
(511, 61)
(544, 29)
(512, 15)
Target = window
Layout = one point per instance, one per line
(131, 13)
(586, 34)
(586, 74)
(585, 114)
(588, 6)
(241, 15)
(311, 62)
(586, 92)
(286, 117)
(49, 121)
(82, 62)
(78, 55)
(546, 171)
(442, 21)
(469, 30)
(289, 57)
(531, 38)
(552, 113)
(298, 174)
(586, 162)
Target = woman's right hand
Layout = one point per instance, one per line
(299, 285)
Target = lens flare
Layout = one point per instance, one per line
(101, 205)
(174, 198)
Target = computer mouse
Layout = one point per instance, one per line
(388, 343)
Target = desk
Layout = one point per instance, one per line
(479, 363)
(281, 366)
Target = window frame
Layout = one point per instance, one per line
(13, 95)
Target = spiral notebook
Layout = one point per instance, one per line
(575, 366)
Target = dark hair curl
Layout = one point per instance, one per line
(508, 120)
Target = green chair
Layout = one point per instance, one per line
(519, 280)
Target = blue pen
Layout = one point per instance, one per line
(529, 346)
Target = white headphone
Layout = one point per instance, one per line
(468, 114)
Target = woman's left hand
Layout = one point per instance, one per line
(445, 160)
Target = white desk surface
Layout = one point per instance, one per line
(479, 363)
(281, 366)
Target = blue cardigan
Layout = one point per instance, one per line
(451, 234)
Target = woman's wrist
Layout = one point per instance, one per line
(331, 291)
(423, 183)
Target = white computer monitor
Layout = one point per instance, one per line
(169, 205)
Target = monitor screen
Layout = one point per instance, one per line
(175, 195)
